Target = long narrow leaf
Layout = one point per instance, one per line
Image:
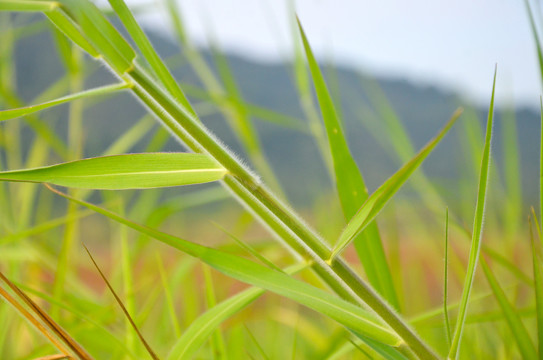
(103, 35)
(22, 5)
(14, 113)
(350, 185)
(347, 314)
(68, 27)
(446, 281)
(516, 326)
(149, 53)
(477, 230)
(130, 171)
(349, 181)
(536, 38)
(199, 330)
(541, 166)
(380, 197)
(537, 258)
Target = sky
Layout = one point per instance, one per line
(454, 45)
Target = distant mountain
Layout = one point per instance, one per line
(423, 110)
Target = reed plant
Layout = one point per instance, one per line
(357, 312)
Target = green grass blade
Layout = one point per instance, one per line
(259, 112)
(399, 138)
(541, 167)
(149, 53)
(511, 266)
(103, 36)
(172, 314)
(261, 351)
(398, 141)
(537, 258)
(249, 249)
(217, 341)
(27, 110)
(69, 28)
(349, 182)
(22, 5)
(42, 227)
(350, 185)
(536, 38)
(513, 173)
(514, 321)
(347, 314)
(477, 230)
(200, 329)
(305, 95)
(446, 280)
(130, 171)
(70, 58)
(373, 205)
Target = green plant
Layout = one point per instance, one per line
(367, 310)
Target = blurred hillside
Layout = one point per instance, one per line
(294, 155)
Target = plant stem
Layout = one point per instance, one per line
(281, 220)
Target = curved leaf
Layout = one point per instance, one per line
(27, 110)
(350, 185)
(349, 315)
(373, 205)
(199, 331)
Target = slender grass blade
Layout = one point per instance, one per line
(516, 326)
(200, 329)
(477, 230)
(119, 301)
(130, 171)
(69, 28)
(513, 180)
(536, 37)
(143, 43)
(349, 182)
(350, 185)
(537, 258)
(103, 36)
(22, 5)
(347, 314)
(376, 201)
(27, 110)
(446, 280)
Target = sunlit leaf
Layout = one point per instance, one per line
(200, 329)
(130, 171)
(27, 110)
(477, 230)
(103, 35)
(380, 197)
(143, 43)
(347, 314)
(350, 185)
(27, 5)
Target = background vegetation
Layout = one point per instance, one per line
(287, 122)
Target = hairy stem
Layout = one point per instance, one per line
(281, 220)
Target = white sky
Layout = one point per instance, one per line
(451, 44)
